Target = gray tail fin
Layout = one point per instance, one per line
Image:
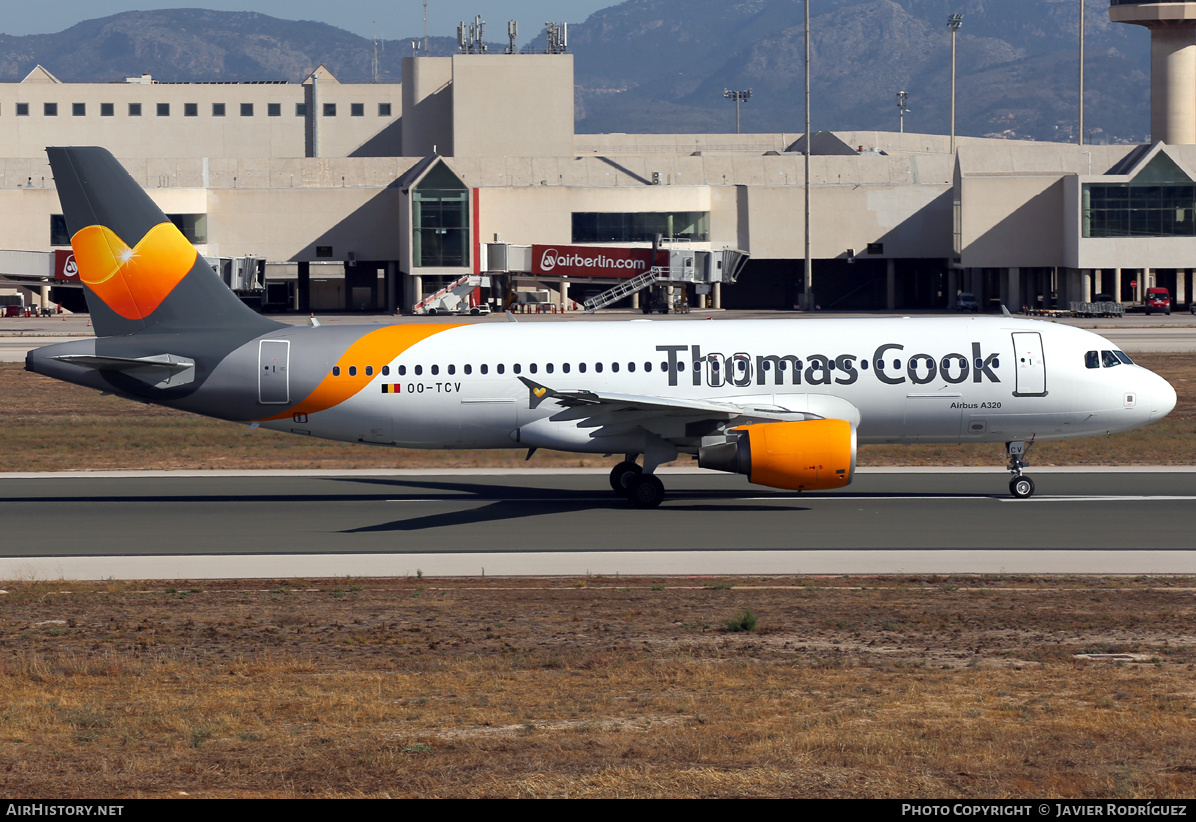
(138, 270)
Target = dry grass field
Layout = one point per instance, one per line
(591, 687)
(914, 687)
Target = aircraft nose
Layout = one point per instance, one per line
(1161, 396)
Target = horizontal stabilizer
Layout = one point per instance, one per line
(158, 370)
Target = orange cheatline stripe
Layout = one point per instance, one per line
(133, 282)
(376, 348)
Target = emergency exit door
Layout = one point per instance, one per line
(273, 384)
(1029, 365)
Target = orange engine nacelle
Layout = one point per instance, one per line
(808, 455)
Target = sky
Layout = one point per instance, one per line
(389, 20)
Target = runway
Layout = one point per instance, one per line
(192, 525)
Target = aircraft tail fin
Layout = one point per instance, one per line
(138, 270)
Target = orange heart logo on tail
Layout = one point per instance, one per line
(133, 282)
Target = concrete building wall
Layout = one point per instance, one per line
(285, 224)
(74, 114)
(910, 221)
(428, 99)
(489, 105)
(1012, 221)
(544, 214)
(498, 97)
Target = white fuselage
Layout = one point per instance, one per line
(897, 380)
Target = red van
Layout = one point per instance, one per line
(1158, 298)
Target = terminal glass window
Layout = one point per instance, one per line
(190, 109)
(217, 109)
(384, 109)
(78, 109)
(163, 109)
(22, 109)
(50, 109)
(1159, 202)
(247, 109)
(640, 226)
(193, 226)
(134, 109)
(357, 109)
(300, 109)
(58, 235)
(330, 109)
(273, 109)
(107, 109)
(440, 220)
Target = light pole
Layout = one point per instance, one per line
(1081, 141)
(738, 97)
(808, 269)
(954, 21)
(902, 107)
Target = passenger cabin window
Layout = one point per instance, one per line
(336, 370)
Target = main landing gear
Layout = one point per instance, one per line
(641, 488)
(1021, 486)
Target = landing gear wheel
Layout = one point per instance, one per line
(1021, 487)
(622, 476)
(646, 492)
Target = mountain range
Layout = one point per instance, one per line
(661, 66)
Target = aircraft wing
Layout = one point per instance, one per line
(669, 418)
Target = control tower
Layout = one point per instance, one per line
(1172, 25)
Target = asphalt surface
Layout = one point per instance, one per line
(556, 522)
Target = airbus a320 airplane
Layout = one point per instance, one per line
(785, 402)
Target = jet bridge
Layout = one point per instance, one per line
(684, 266)
(626, 270)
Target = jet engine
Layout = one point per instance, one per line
(808, 455)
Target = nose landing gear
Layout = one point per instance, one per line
(1020, 486)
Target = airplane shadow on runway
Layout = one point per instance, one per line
(494, 502)
(516, 502)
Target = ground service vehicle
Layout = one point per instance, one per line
(1158, 299)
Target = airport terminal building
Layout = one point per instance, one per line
(367, 197)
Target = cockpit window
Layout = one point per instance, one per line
(1108, 359)
(1122, 356)
(1091, 359)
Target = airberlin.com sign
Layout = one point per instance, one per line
(592, 261)
(65, 267)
